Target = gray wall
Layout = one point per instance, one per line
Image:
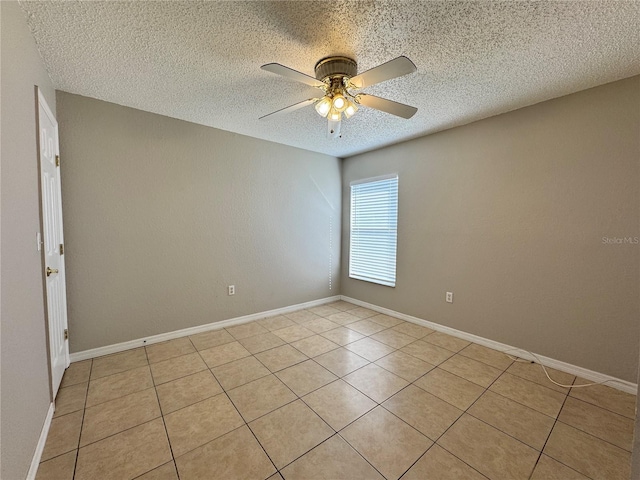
(25, 377)
(509, 214)
(161, 215)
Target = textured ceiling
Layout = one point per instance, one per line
(200, 61)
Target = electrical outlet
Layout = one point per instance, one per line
(232, 289)
(449, 297)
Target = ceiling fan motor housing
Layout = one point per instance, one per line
(332, 67)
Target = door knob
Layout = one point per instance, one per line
(51, 270)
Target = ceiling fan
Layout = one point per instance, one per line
(338, 79)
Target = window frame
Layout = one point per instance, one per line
(353, 272)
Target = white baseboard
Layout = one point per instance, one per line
(587, 374)
(163, 337)
(590, 375)
(37, 455)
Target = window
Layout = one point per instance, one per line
(374, 227)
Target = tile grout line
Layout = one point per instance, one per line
(463, 413)
(113, 400)
(591, 434)
(122, 371)
(482, 364)
(595, 437)
(156, 468)
(270, 411)
(528, 380)
(338, 378)
(214, 377)
(205, 443)
(580, 430)
(238, 411)
(124, 395)
(385, 329)
(337, 433)
(434, 444)
(377, 404)
(487, 388)
(343, 346)
(246, 424)
(75, 465)
(278, 470)
(353, 421)
(114, 434)
(166, 432)
(298, 397)
(263, 449)
(267, 413)
(600, 408)
(191, 404)
(301, 399)
(356, 450)
(603, 408)
(394, 373)
(551, 432)
(58, 456)
(311, 449)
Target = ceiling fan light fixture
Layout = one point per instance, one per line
(339, 102)
(337, 76)
(323, 106)
(350, 110)
(334, 115)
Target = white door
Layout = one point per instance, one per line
(53, 242)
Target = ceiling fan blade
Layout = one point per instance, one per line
(392, 69)
(292, 74)
(291, 108)
(388, 106)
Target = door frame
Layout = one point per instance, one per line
(40, 100)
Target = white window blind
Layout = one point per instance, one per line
(374, 228)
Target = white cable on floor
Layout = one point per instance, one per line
(545, 369)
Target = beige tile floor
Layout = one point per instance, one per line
(333, 392)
